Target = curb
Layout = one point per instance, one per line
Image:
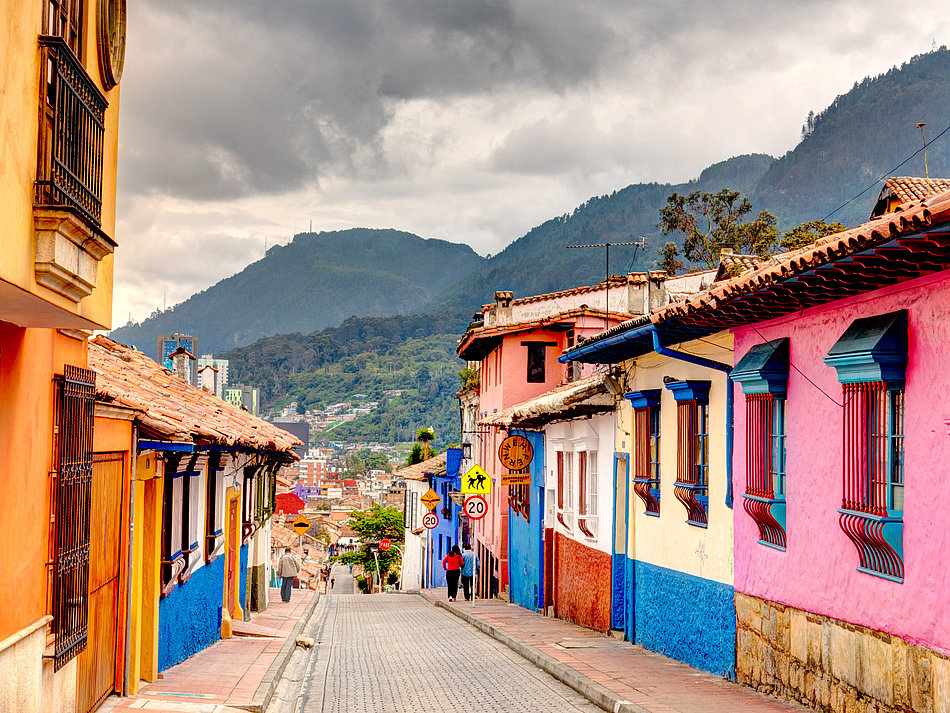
(265, 691)
(597, 694)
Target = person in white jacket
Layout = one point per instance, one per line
(287, 569)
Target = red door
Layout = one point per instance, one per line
(230, 561)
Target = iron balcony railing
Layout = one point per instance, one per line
(70, 172)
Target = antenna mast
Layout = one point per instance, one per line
(641, 243)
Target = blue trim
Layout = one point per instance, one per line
(605, 345)
(165, 446)
(644, 398)
(764, 368)
(872, 349)
(689, 390)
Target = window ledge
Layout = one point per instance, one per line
(68, 251)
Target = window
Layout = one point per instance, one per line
(565, 495)
(64, 19)
(173, 559)
(646, 448)
(871, 359)
(587, 492)
(763, 374)
(250, 488)
(75, 394)
(535, 363)
(692, 457)
(214, 504)
(191, 514)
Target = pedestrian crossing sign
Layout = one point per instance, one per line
(476, 481)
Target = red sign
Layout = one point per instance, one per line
(385, 545)
(475, 507)
(430, 520)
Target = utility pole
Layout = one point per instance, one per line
(641, 243)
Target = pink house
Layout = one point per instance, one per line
(842, 581)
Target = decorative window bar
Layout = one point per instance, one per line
(646, 479)
(764, 452)
(75, 394)
(692, 487)
(71, 155)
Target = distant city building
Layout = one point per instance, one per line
(221, 376)
(243, 396)
(167, 346)
(301, 429)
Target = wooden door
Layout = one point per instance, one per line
(96, 672)
(231, 558)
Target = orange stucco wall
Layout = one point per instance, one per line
(28, 360)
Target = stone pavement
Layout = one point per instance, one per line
(618, 675)
(226, 674)
(395, 653)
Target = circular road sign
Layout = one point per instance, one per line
(385, 545)
(475, 507)
(430, 520)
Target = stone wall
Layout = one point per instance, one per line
(830, 665)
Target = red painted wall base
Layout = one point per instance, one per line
(581, 584)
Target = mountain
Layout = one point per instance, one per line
(315, 281)
(863, 135)
(540, 261)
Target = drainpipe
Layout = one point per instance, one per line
(730, 407)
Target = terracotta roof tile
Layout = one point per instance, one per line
(433, 466)
(174, 408)
(825, 250)
(633, 278)
(909, 189)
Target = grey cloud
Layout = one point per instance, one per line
(225, 98)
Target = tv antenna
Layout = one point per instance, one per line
(641, 244)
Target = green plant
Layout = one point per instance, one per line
(362, 583)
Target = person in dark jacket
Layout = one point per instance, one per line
(452, 564)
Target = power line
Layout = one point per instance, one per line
(884, 176)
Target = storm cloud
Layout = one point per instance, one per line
(469, 120)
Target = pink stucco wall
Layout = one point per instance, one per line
(818, 572)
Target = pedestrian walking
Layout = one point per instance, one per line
(287, 569)
(469, 570)
(332, 582)
(452, 564)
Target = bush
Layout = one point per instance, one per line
(392, 578)
(362, 583)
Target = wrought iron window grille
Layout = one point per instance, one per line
(75, 407)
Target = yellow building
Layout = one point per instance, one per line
(61, 62)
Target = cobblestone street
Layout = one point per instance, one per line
(394, 653)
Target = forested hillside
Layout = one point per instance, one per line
(864, 134)
(317, 280)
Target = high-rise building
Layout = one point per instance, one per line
(246, 397)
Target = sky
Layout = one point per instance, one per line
(244, 122)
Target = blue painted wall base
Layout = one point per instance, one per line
(525, 554)
(189, 619)
(686, 618)
(618, 592)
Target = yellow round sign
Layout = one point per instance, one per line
(515, 453)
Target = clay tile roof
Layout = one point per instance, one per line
(908, 189)
(174, 408)
(733, 264)
(434, 466)
(634, 278)
(583, 397)
(831, 248)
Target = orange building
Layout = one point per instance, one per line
(59, 463)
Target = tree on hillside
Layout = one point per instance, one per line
(712, 221)
(425, 436)
(809, 232)
(371, 526)
(415, 455)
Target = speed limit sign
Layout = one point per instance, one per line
(475, 507)
(430, 520)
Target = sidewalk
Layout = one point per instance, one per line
(613, 674)
(227, 676)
